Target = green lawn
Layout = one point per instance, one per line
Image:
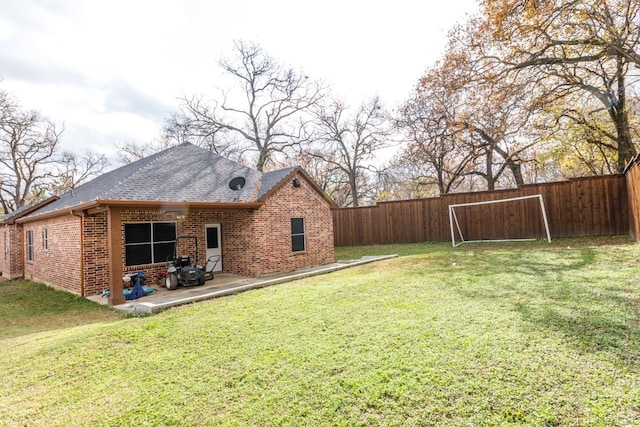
(509, 334)
(27, 307)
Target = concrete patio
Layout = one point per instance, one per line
(222, 285)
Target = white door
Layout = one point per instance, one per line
(214, 248)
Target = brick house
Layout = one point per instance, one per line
(131, 219)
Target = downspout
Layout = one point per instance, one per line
(81, 216)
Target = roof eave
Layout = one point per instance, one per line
(150, 204)
(35, 207)
(164, 203)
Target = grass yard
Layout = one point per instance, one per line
(495, 334)
(27, 307)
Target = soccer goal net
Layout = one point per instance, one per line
(502, 220)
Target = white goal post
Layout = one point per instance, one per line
(453, 219)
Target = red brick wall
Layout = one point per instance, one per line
(96, 253)
(11, 246)
(5, 261)
(236, 236)
(254, 242)
(59, 264)
(272, 223)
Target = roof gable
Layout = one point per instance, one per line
(277, 179)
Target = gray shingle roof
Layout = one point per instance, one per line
(271, 179)
(24, 210)
(17, 212)
(184, 173)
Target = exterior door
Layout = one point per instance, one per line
(214, 248)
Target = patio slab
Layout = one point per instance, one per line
(225, 284)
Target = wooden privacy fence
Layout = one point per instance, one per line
(594, 206)
(633, 190)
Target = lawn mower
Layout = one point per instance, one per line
(181, 271)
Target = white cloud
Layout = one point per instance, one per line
(112, 69)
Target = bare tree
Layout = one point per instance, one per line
(72, 169)
(347, 143)
(265, 118)
(330, 179)
(130, 151)
(30, 167)
(28, 143)
(436, 154)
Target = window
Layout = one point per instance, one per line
(6, 246)
(297, 235)
(149, 242)
(212, 237)
(29, 245)
(45, 240)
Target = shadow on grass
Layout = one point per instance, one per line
(27, 308)
(587, 329)
(541, 264)
(511, 262)
(582, 293)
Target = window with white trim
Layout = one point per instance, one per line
(149, 242)
(297, 235)
(6, 246)
(45, 239)
(30, 254)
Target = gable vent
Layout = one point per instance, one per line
(236, 183)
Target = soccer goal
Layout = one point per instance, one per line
(457, 229)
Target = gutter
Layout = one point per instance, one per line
(158, 204)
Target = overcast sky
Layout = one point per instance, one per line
(112, 70)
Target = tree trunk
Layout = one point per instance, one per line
(263, 157)
(354, 189)
(491, 180)
(516, 170)
(626, 149)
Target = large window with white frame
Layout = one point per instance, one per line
(149, 242)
